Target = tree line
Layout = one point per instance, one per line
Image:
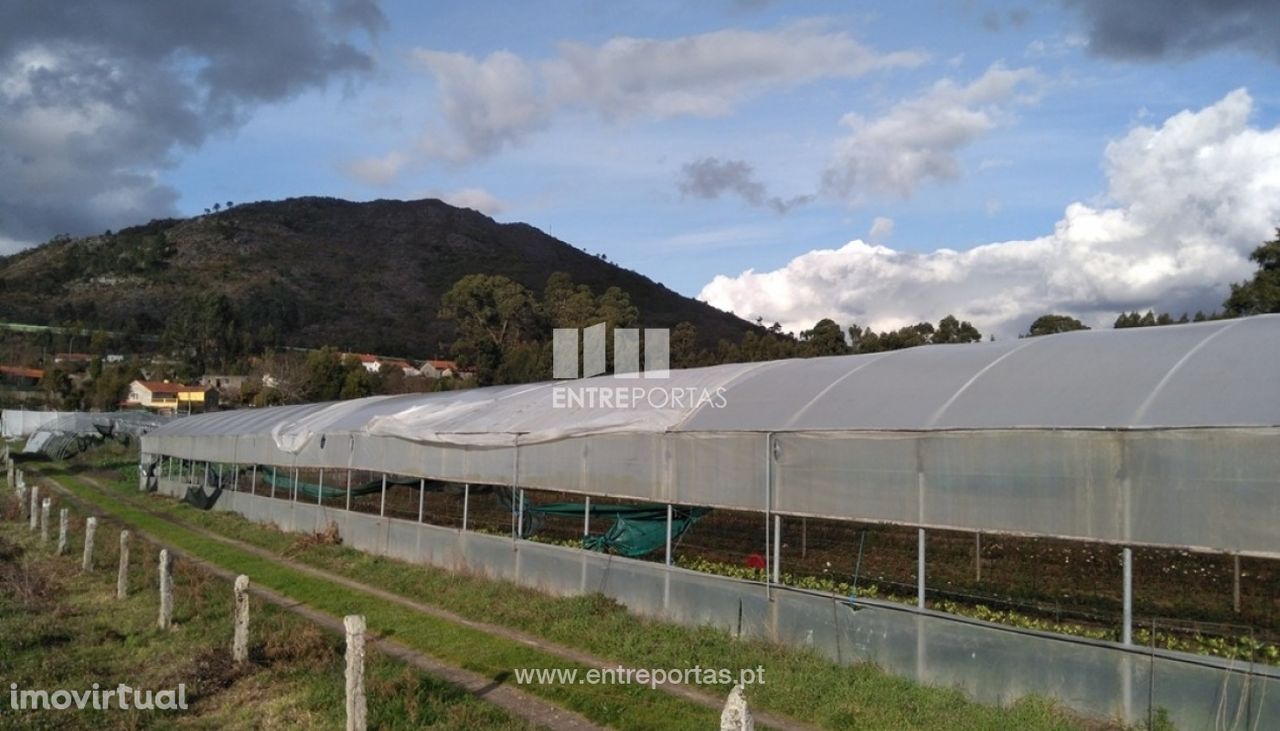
(504, 329)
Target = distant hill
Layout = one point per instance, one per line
(319, 271)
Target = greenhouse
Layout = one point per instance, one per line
(1164, 437)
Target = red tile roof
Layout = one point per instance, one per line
(21, 372)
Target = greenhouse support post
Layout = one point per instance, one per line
(777, 549)
(466, 504)
(422, 496)
(274, 476)
(768, 511)
(586, 517)
(253, 481)
(294, 495)
(1235, 583)
(348, 489)
(670, 511)
(382, 506)
(520, 515)
(1126, 631)
(977, 557)
(205, 484)
(320, 489)
(920, 568)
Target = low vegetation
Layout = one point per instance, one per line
(64, 629)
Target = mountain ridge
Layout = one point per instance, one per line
(365, 276)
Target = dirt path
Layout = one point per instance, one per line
(514, 701)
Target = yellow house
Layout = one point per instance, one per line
(175, 397)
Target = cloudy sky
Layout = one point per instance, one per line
(881, 165)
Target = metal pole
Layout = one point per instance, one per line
(219, 474)
(920, 568)
(466, 503)
(274, 477)
(253, 482)
(382, 508)
(294, 496)
(206, 476)
(1126, 631)
(670, 511)
(348, 489)
(320, 488)
(768, 509)
(1235, 585)
(977, 557)
(235, 478)
(422, 496)
(777, 549)
(520, 516)
(586, 518)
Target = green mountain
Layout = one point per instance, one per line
(316, 271)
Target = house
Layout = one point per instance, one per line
(404, 366)
(20, 376)
(223, 384)
(172, 397)
(439, 368)
(370, 362)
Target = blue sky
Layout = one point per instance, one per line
(671, 136)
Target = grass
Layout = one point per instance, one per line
(65, 629)
(799, 684)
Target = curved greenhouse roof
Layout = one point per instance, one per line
(1087, 425)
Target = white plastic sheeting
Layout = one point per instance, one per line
(1164, 436)
(18, 423)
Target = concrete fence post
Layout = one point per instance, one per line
(122, 576)
(736, 716)
(90, 528)
(357, 711)
(240, 641)
(45, 506)
(35, 507)
(64, 516)
(166, 589)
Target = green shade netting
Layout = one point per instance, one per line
(637, 530)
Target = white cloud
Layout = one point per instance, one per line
(1188, 201)
(477, 199)
(706, 75)
(377, 170)
(496, 102)
(881, 229)
(485, 104)
(917, 139)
